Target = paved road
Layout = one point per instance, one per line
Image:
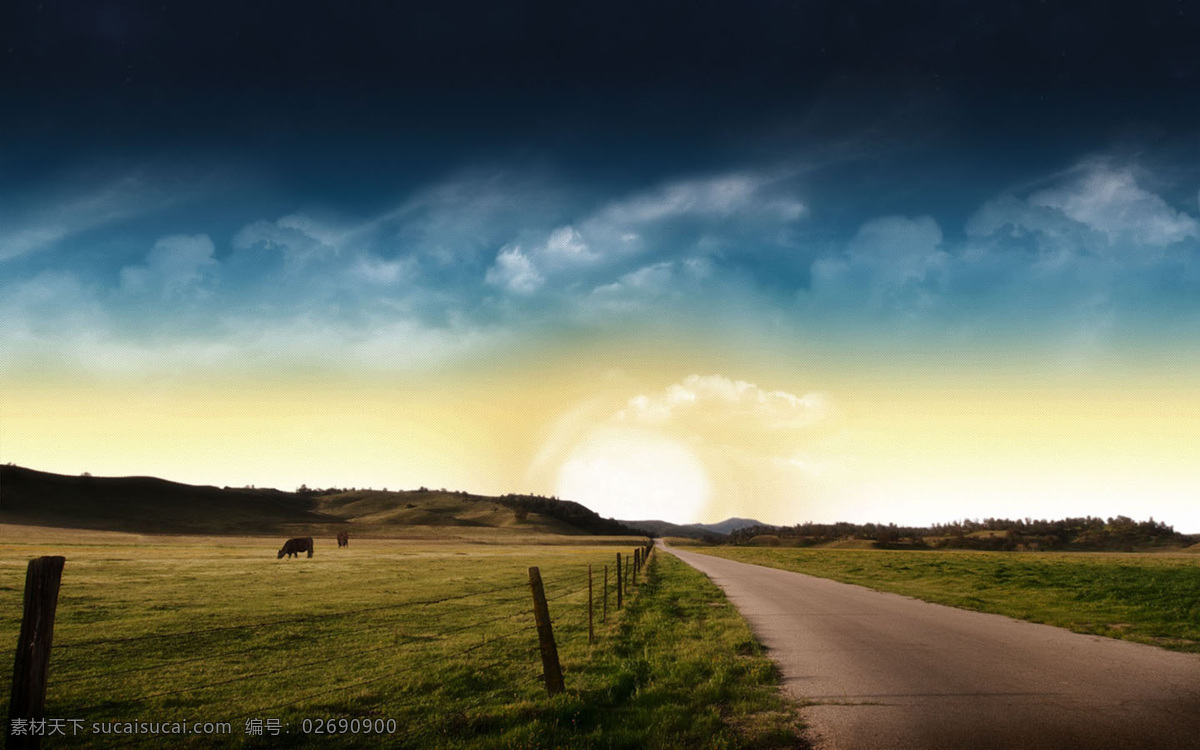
(879, 671)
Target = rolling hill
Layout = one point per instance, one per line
(693, 530)
(152, 505)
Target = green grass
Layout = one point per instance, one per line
(682, 671)
(342, 635)
(1148, 598)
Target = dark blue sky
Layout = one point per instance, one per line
(619, 90)
(442, 147)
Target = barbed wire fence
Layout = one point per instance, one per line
(400, 653)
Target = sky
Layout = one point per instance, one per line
(795, 261)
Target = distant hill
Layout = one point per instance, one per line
(693, 530)
(730, 525)
(152, 505)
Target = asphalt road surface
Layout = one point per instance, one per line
(876, 671)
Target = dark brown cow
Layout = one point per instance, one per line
(343, 539)
(293, 547)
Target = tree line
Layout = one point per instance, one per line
(579, 516)
(1119, 533)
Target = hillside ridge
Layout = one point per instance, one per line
(154, 505)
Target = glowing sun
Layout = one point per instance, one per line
(635, 475)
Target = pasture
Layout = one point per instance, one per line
(1145, 597)
(437, 636)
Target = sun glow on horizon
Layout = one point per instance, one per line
(635, 475)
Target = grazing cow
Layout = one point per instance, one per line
(343, 539)
(293, 547)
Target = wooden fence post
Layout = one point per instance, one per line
(28, 698)
(591, 629)
(604, 612)
(619, 581)
(551, 669)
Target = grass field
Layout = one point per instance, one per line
(1150, 598)
(437, 636)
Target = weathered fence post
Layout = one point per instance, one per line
(28, 699)
(619, 581)
(551, 669)
(604, 612)
(591, 629)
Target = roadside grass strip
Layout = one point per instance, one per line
(1151, 598)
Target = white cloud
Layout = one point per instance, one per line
(460, 220)
(524, 272)
(720, 196)
(51, 304)
(383, 343)
(16, 242)
(1014, 218)
(513, 270)
(55, 317)
(639, 223)
(177, 265)
(300, 238)
(375, 270)
(740, 204)
(716, 400)
(892, 262)
(25, 231)
(632, 292)
(346, 263)
(681, 217)
(1092, 247)
(1110, 201)
(650, 280)
(566, 246)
